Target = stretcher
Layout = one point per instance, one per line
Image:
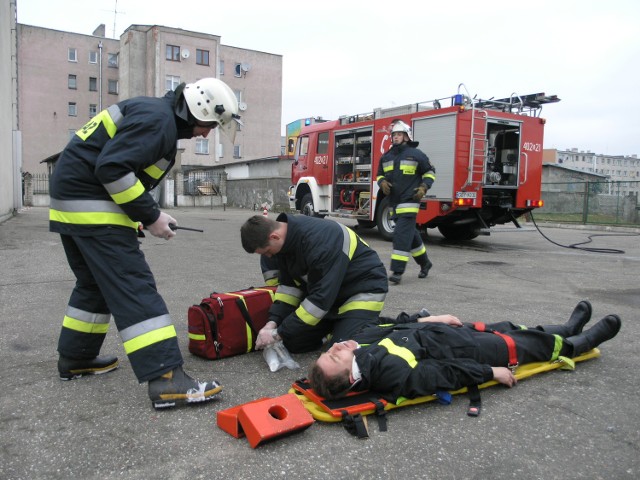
(359, 404)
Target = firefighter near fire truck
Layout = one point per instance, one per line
(405, 175)
(99, 196)
(488, 154)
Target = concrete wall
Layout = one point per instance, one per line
(10, 194)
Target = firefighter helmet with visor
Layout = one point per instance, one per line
(400, 126)
(211, 100)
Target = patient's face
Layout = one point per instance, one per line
(338, 358)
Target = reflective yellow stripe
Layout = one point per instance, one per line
(306, 317)
(288, 299)
(401, 352)
(407, 210)
(101, 118)
(400, 258)
(84, 327)
(271, 293)
(149, 338)
(129, 194)
(429, 175)
(363, 305)
(92, 218)
(197, 337)
(154, 172)
(419, 252)
(556, 348)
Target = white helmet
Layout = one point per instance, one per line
(400, 126)
(211, 100)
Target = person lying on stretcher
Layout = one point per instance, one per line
(417, 355)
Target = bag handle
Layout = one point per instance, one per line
(246, 315)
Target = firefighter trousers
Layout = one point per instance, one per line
(113, 278)
(332, 328)
(532, 344)
(406, 243)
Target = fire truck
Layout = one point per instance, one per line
(487, 155)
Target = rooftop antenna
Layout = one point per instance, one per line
(115, 15)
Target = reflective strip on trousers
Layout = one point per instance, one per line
(147, 333)
(86, 322)
(373, 302)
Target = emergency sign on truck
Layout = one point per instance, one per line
(487, 155)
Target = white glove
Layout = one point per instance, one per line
(160, 228)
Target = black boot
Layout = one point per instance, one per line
(424, 269)
(177, 387)
(71, 368)
(604, 330)
(579, 318)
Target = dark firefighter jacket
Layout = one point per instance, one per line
(104, 174)
(324, 267)
(415, 359)
(405, 167)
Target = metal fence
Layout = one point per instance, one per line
(604, 203)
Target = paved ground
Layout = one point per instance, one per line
(572, 425)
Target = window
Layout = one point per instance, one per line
(238, 70)
(72, 82)
(173, 53)
(93, 84)
(220, 150)
(238, 94)
(93, 110)
(323, 142)
(73, 109)
(237, 152)
(304, 145)
(171, 82)
(202, 146)
(113, 87)
(112, 60)
(202, 57)
(73, 55)
(221, 67)
(93, 57)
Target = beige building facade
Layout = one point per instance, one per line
(617, 168)
(66, 78)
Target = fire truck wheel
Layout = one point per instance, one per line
(306, 207)
(459, 232)
(384, 219)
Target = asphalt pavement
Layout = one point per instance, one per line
(580, 424)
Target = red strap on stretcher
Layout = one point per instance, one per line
(511, 344)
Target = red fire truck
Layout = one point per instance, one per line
(487, 155)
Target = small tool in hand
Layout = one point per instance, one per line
(175, 227)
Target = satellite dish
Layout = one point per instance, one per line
(185, 53)
(242, 106)
(245, 67)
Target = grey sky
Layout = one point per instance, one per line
(351, 56)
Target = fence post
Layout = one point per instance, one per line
(585, 208)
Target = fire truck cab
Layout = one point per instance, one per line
(487, 155)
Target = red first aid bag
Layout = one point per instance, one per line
(226, 324)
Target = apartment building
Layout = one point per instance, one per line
(617, 168)
(65, 78)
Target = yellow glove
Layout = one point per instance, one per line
(419, 192)
(385, 186)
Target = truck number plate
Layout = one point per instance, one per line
(465, 194)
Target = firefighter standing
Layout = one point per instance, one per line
(416, 359)
(331, 283)
(404, 175)
(99, 196)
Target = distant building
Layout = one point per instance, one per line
(617, 168)
(65, 78)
